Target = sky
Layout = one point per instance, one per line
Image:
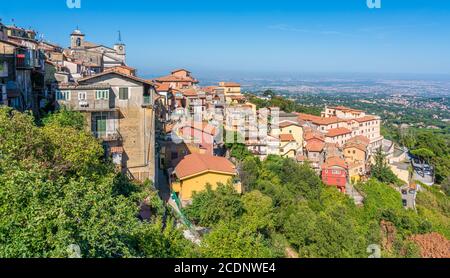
(279, 36)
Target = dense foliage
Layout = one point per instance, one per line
(57, 190)
(287, 207)
(380, 170)
(284, 104)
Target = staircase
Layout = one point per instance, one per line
(354, 194)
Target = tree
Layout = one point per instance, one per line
(424, 154)
(53, 196)
(210, 206)
(381, 171)
(249, 172)
(231, 239)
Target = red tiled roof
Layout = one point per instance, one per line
(118, 73)
(287, 123)
(230, 84)
(360, 139)
(338, 131)
(162, 87)
(309, 135)
(177, 70)
(209, 89)
(334, 161)
(172, 78)
(359, 146)
(346, 109)
(195, 164)
(365, 119)
(319, 120)
(315, 146)
(286, 138)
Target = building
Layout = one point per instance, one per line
(201, 134)
(320, 123)
(177, 79)
(334, 173)
(290, 127)
(232, 91)
(314, 150)
(358, 122)
(288, 146)
(22, 69)
(338, 136)
(356, 154)
(96, 54)
(119, 110)
(196, 171)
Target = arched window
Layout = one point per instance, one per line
(78, 42)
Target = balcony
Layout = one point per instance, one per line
(108, 136)
(96, 105)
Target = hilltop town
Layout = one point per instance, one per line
(186, 139)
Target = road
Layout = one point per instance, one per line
(162, 181)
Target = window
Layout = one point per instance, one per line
(81, 95)
(62, 95)
(123, 93)
(102, 94)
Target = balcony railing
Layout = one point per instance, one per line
(97, 105)
(108, 135)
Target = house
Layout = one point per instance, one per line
(177, 79)
(232, 92)
(288, 146)
(356, 149)
(314, 152)
(356, 171)
(321, 124)
(124, 69)
(356, 154)
(96, 54)
(22, 69)
(338, 135)
(199, 133)
(196, 171)
(290, 127)
(334, 173)
(119, 110)
(358, 122)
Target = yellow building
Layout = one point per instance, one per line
(356, 156)
(196, 171)
(232, 92)
(288, 146)
(289, 127)
(356, 171)
(356, 149)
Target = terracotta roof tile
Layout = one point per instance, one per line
(286, 138)
(366, 119)
(338, 131)
(334, 161)
(315, 146)
(320, 120)
(194, 164)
